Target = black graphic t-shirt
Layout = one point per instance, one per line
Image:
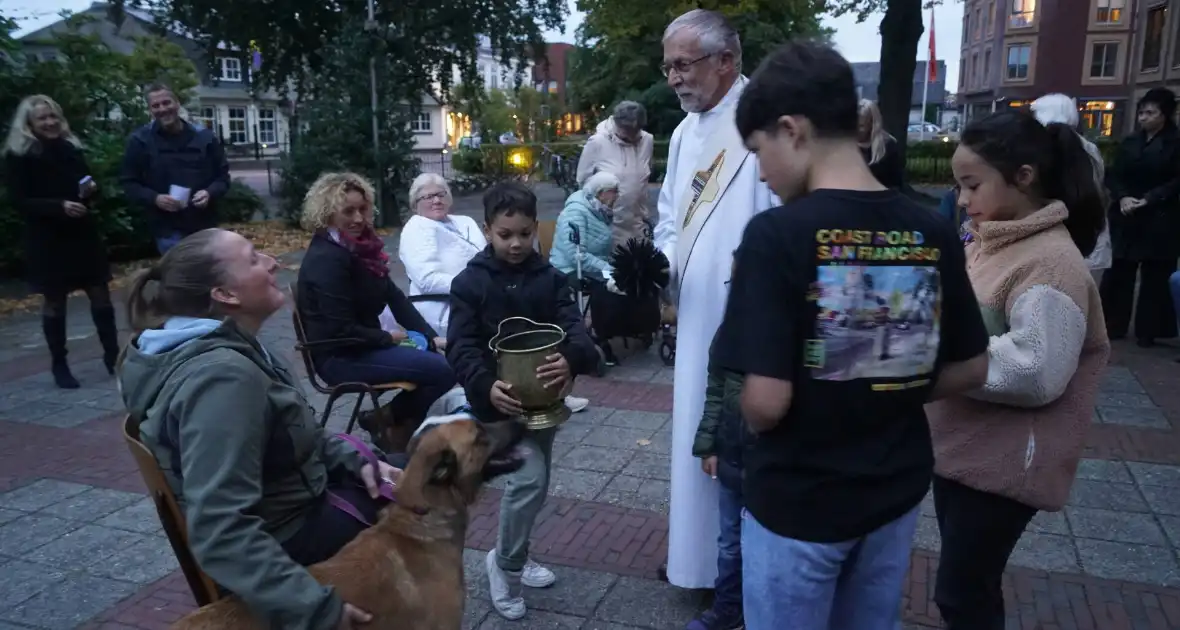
(855, 298)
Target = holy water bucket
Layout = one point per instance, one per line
(517, 358)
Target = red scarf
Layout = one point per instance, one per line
(369, 249)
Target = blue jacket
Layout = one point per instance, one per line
(595, 232)
(948, 208)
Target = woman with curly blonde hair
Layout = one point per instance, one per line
(343, 288)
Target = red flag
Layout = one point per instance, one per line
(931, 58)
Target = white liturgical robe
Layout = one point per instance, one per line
(710, 191)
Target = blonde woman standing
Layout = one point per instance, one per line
(878, 147)
(51, 186)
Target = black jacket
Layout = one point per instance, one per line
(889, 170)
(338, 300)
(489, 291)
(62, 253)
(155, 161)
(722, 432)
(1150, 171)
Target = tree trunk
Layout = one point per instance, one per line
(901, 30)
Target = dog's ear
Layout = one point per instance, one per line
(446, 468)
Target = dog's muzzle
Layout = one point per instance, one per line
(507, 452)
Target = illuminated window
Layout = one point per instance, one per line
(1110, 11)
(1022, 14)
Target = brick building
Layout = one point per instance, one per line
(1156, 59)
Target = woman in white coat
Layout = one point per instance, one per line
(435, 246)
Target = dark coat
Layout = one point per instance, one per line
(155, 161)
(1149, 170)
(62, 253)
(722, 432)
(338, 299)
(489, 291)
(889, 170)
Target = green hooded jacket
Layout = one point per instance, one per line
(244, 455)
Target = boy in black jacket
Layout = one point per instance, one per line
(510, 279)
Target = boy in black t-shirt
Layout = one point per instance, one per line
(850, 308)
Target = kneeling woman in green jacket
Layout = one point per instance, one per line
(229, 424)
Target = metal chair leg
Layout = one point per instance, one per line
(328, 408)
(356, 409)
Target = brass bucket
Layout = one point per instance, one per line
(517, 358)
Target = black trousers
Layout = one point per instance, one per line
(979, 531)
(1155, 315)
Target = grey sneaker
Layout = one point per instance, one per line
(505, 589)
(536, 576)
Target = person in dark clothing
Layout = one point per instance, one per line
(50, 185)
(343, 288)
(878, 147)
(1144, 184)
(174, 171)
(720, 439)
(510, 279)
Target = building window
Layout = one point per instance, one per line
(237, 125)
(1153, 38)
(420, 123)
(207, 119)
(990, 21)
(1110, 11)
(231, 68)
(975, 70)
(962, 73)
(1022, 14)
(987, 65)
(268, 126)
(978, 22)
(1102, 60)
(1018, 58)
(966, 25)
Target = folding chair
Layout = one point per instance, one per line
(204, 590)
(304, 347)
(545, 231)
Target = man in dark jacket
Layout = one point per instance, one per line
(174, 171)
(510, 279)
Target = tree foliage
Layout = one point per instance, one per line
(620, 47)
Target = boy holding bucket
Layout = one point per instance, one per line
(510, 279)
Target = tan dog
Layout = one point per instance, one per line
(407, 570)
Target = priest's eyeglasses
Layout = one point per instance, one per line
(682, 66)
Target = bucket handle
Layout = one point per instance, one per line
(500, 328)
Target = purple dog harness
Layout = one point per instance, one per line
(385, 485)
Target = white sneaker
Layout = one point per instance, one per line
(536, 576)
(505, 590)
(576, 404)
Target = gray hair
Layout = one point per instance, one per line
(714, 33)
(630, 115)
(600, 181)
(424, 180)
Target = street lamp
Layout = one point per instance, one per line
(371, 27)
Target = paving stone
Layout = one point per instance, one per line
(1155, 474)
(1107, 496)
(1103, 470)
(635, 374)
(577, 484)
(1115, 526)
(474, 612)
(92, 504)
(650, 466)
(1171, 527)
(537, 619)
(577, 592)
(661, 442)
(1162, 500)
(1120, 379)
(649, 604)
(9, 515)
(598, 624)
(40, 494)
(637, 493)
(644, 420)
(596, 458)
(31, 411)
(69, 602)
(31, 531)
(70, 417)
(1144, 417)
(618, 437)
(109, 401)
(926, 534)
(1122, 399)
(573, 433)
(1047, 552)
(594, 415)
(664, 377)
(83, 546)
(21, 580)
(1134, 563)
(1049, 523)
(140, 516)
(146, 559)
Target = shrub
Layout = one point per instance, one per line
(241, 204)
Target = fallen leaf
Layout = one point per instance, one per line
(643, 442)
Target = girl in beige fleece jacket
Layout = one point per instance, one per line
(1012, 448)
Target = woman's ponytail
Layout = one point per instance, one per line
(142, 309)
(1073, 181)
(179, 284)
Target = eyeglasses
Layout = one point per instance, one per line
(682, 66)
(432, 196)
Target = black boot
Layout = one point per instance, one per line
(55, 337)
(108, 335)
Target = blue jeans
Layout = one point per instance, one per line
(1174, 285)
(727, 590)
(428, 370)
(850, 585)
(168, 241)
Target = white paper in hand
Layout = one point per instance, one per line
(180, 193)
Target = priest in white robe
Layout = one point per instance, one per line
(710, 191)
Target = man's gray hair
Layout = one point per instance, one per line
(713, 31)
(630, 115)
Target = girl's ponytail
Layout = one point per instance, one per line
(1073, 181)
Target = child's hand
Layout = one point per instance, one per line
(556, 373)
(503, 400)
(709, 465)
(398, 335)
